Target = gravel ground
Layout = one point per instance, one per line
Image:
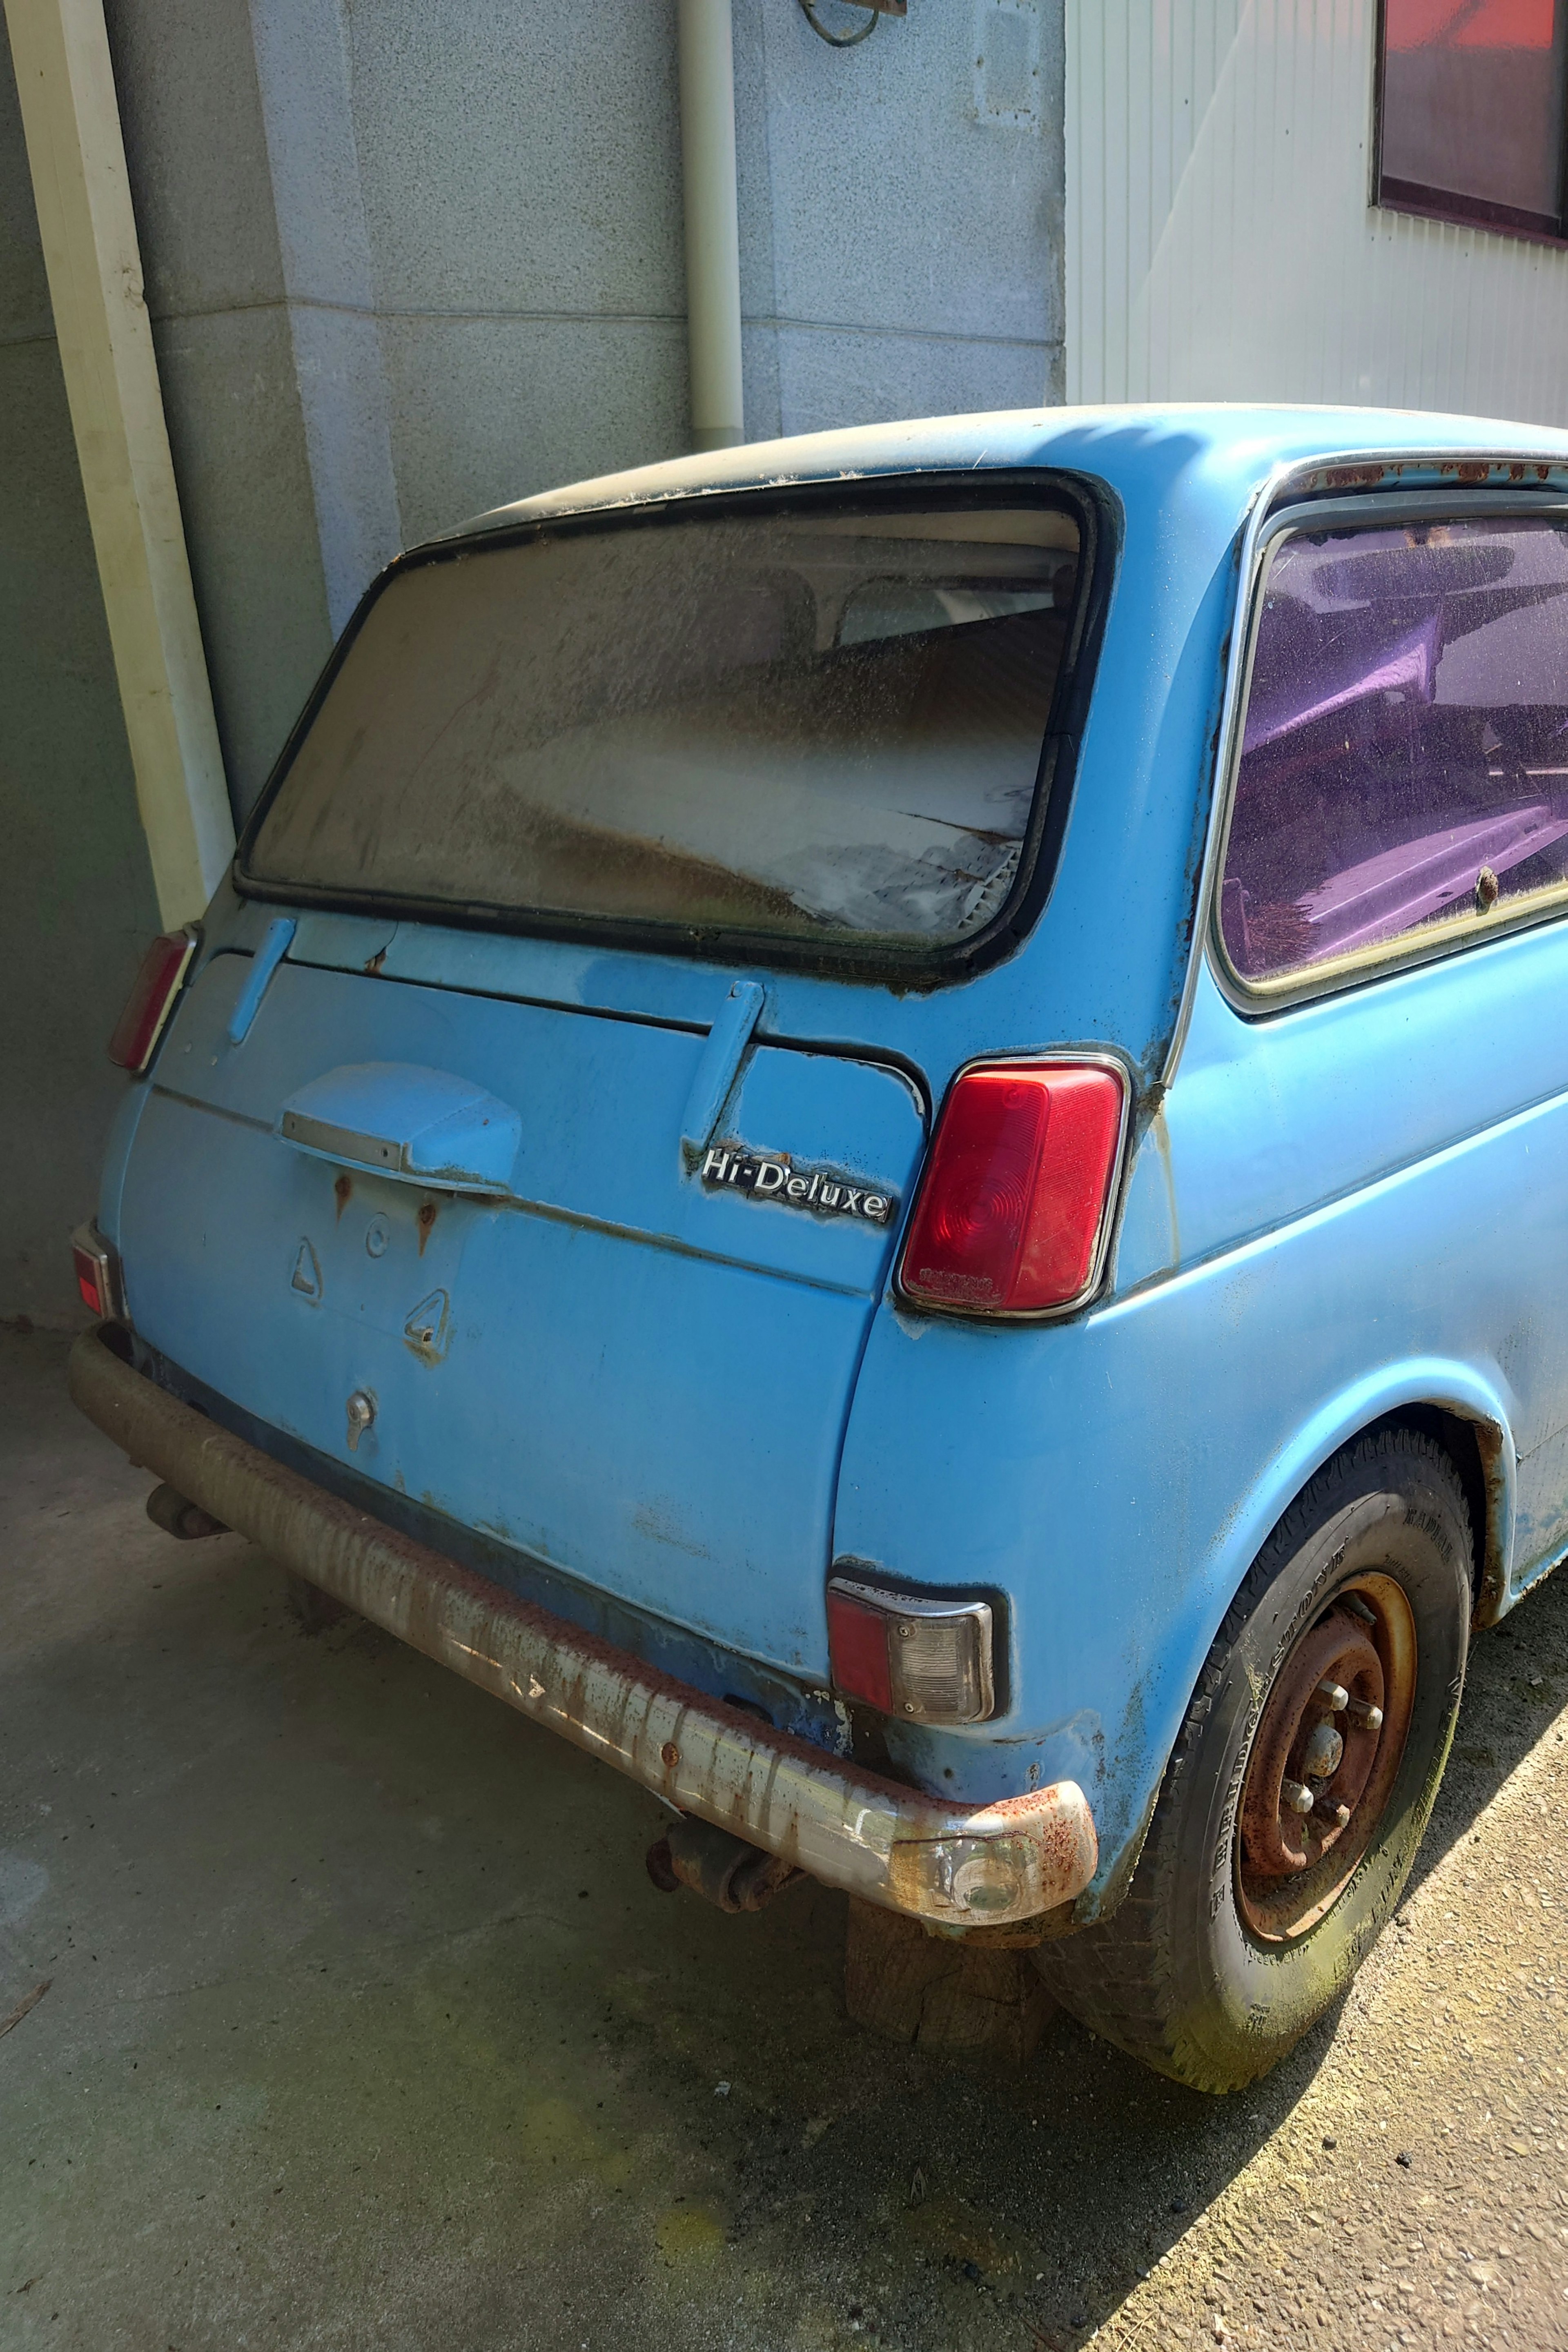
(365, 2028)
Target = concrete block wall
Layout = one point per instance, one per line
(191, 105)
(406, 259)
(900, 212)
(409, 258)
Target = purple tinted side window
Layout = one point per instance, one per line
(1405, 757)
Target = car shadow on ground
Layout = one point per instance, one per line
(397, 1947)
(1031, 2205)
(1131, 2161)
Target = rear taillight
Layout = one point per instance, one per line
(98, 1274)
(1014, 1209)
(905, 1654)
(151, 997)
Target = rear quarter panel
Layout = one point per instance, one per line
(1353, 1206)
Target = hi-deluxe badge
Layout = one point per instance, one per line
(821, 1190)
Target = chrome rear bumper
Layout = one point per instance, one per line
(951, 1866)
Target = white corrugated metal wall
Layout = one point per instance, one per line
(1220, 241)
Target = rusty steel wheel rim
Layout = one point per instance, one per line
(1325, 1756)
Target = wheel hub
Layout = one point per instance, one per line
(1324, 1752)
(1324, 1757)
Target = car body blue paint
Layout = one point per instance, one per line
(693, 1401)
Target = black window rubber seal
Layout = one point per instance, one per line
(1097, 514)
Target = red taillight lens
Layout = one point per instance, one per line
(96, 1274)
(153, 992)
(857, 1646)
(1012, 1210)
(88, 1284)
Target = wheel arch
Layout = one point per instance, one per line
(1478, 1449)
(1453, 1403)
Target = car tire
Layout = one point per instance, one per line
(1222, 1953)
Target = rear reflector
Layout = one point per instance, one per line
(928, 1659)
(98, 1274)
(1014, 1208)
(153, 994)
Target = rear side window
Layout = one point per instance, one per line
(810, 725)
(1403, 780)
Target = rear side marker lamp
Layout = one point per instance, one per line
(151, 999)
(97, 1268)
(925, 1661)
(1013, 1211)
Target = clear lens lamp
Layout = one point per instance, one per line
(927, 1659)
(969, 1881)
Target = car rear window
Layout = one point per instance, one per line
(1404, 769)
(811, 725)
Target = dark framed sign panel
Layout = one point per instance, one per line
(1471, 113)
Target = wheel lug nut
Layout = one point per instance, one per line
(1328, 1810)
(1369, 1717)
(1299, 1799)
(1334, 1696)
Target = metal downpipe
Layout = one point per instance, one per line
(712, 224)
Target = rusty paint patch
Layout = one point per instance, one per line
(427, 1332)
(425, 1222)
(343, 1192)
(1489, 1594)
(656, 1519)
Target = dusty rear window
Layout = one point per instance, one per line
(812, 725)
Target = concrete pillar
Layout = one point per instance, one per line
(72, 120)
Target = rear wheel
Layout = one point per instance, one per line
(1302, 1780)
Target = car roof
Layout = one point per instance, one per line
(1232, 448)
(1107, 962)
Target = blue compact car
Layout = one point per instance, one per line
(879, 1124)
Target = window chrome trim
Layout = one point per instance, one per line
(1340, 486)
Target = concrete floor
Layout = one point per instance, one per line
(364, 2027)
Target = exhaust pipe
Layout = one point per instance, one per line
(179, 1517)
(725, 1870)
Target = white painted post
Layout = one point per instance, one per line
(72, 120)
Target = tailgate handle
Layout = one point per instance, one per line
(423, 1127)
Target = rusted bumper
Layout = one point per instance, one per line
(953, 1866)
